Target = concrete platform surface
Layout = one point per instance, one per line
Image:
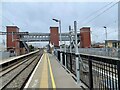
(15, 57)
(50, 74)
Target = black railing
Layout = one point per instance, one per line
(95, 71)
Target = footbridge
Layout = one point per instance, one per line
(31, 37)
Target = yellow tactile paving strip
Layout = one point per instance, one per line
(44, 76)
(51, 74)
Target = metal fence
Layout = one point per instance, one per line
(95, 72)
(111, 52)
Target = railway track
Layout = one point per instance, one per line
(12, 63)
(16, 76)
(9, 68)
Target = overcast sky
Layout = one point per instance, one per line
(37, 17)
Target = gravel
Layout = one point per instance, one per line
(18, 81)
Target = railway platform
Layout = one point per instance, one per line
(50, 74)
(16, 57)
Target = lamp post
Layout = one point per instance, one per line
(59, 27)
(59, 21)
(106, 36)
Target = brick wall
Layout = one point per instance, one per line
(85, 37)
(54, 36)
(13, 44)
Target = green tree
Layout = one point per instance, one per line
(31, 48)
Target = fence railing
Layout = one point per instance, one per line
(95, 71)
(110, 52)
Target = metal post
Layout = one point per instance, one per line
(70, 39)
(90, 74)
(27, 42)
(71, 62)
(106, 40)
(59, 21)
(65, 55)
(106, 37)
(118, 71)
(60, 41)
(77, 54)
(58, 55)
(70, 49)
(106, 34)
(118, 63)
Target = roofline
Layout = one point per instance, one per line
(54, 27)
(85, 28)
(112, 40)
(12, 27)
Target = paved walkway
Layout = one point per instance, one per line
(50, 74)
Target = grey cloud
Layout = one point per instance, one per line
(37, 17)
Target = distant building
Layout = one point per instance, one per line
(98, 45)
(14, 45)
(112, 43)
(12, 40)
(85, 37)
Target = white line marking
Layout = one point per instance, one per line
(27, 84)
